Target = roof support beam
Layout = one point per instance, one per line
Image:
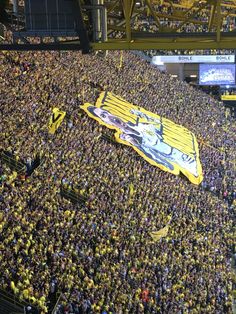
(202, 6)
(178, 18)
(128, 6)
(81, 29)
(178, 45)
(113, 6)
(159, 43)
(212, 17)
(156, 18)
(218, 12)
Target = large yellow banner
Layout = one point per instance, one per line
(160, 141)
(56, 120)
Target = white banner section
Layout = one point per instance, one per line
(160, 60)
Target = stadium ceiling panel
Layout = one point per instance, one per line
(121, 25)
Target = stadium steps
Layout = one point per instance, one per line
(109, 138)
(10, 160)
(73, 196)
(7, 307)
(10, 304)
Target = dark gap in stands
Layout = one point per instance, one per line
(11, 161)
(73, 195)
(108, 138)
(31, 166)
(18, 165)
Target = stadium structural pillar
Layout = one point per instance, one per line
(181, 72)
(15, 7)
(96, 21)
(104, 22)
(82, 31)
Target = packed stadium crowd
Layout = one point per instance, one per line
(147, 22)
(100, 256)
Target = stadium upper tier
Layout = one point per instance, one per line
(101, 256)
(130, 24)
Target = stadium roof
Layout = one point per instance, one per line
(134, 25)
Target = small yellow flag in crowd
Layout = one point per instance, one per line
(56, 120)
(131, 193)
(12, 177)
(131, 189)
(157, 235)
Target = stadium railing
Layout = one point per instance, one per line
(10, 160)
(18, 306)
(54, 311)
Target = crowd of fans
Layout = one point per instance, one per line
(147, 22)
(193, 13)
(100, 256)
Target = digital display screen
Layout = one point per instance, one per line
(216, 74)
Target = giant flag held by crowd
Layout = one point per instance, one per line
(56, 119)
(161, 142)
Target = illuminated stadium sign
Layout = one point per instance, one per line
(159, 60)
(228, 97)
(216, 74)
